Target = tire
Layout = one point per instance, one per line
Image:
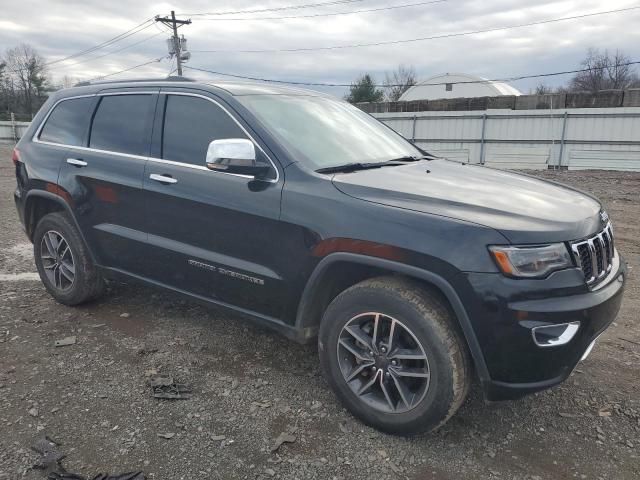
(434, 386)
(86, 283)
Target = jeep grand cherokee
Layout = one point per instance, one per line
(302, 212)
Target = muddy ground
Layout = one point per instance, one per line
(250, 385)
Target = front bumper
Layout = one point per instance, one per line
(504, 312)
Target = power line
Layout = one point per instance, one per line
(156, 60)
(313, 15)
(138, 28)
(508, 79)
(276, 9)
(99, 56)
(106, 43)
(146, 39)
(161, 27)
(433, 37)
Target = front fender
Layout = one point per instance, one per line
(307, 324)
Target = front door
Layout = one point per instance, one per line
(212, 234)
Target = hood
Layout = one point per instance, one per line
(524, 209)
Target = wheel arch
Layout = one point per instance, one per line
(39, 203)
(326, 282)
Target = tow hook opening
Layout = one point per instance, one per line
(554, 335)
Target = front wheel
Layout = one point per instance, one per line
(393, 356)
(63, 262)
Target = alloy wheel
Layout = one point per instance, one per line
(383, 363)
(57, 260)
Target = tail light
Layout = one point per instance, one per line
(15, 156)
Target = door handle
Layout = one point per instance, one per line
(77, 162)
(163, 178)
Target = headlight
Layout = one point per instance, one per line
(530, 262)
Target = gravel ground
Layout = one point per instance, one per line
(250, 385)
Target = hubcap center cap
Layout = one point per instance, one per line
(381, 361)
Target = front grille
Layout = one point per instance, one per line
(595, 254)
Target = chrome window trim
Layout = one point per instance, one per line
(178, 164)
(141, 92)
(96, 150)
(197, 167)
(36, 135)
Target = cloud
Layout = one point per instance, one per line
(60, 28)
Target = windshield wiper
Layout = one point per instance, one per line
(353, 167)
(407, 158)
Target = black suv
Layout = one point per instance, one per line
(300, 211)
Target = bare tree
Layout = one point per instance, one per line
(65, 82)
(26, 70)
(542, 89)
(604, 71)
(399, 81)
(4, 96)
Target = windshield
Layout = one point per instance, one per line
(322, 132)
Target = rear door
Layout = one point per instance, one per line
(66, 125)
(104, 176)
(212, 234)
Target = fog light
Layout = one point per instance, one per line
(554, 335)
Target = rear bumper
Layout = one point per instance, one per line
(506, 312)
(19, 201)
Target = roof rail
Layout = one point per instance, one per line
(137, 80)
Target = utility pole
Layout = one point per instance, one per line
(173, 23)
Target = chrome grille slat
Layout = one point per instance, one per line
(609, 233)
(602, 261)
(605, 262)
(594, 255)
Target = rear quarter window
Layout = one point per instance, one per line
(68, 122)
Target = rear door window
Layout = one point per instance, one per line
(121, 124)
(68, 122)
(190, 124)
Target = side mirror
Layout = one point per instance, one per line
(235, 155)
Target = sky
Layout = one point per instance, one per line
(57, 29)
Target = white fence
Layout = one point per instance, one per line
(582, 138)
(10, 132)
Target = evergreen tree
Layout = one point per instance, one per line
(364, 90)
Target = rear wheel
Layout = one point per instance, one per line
(391, 352)
(63, 262)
